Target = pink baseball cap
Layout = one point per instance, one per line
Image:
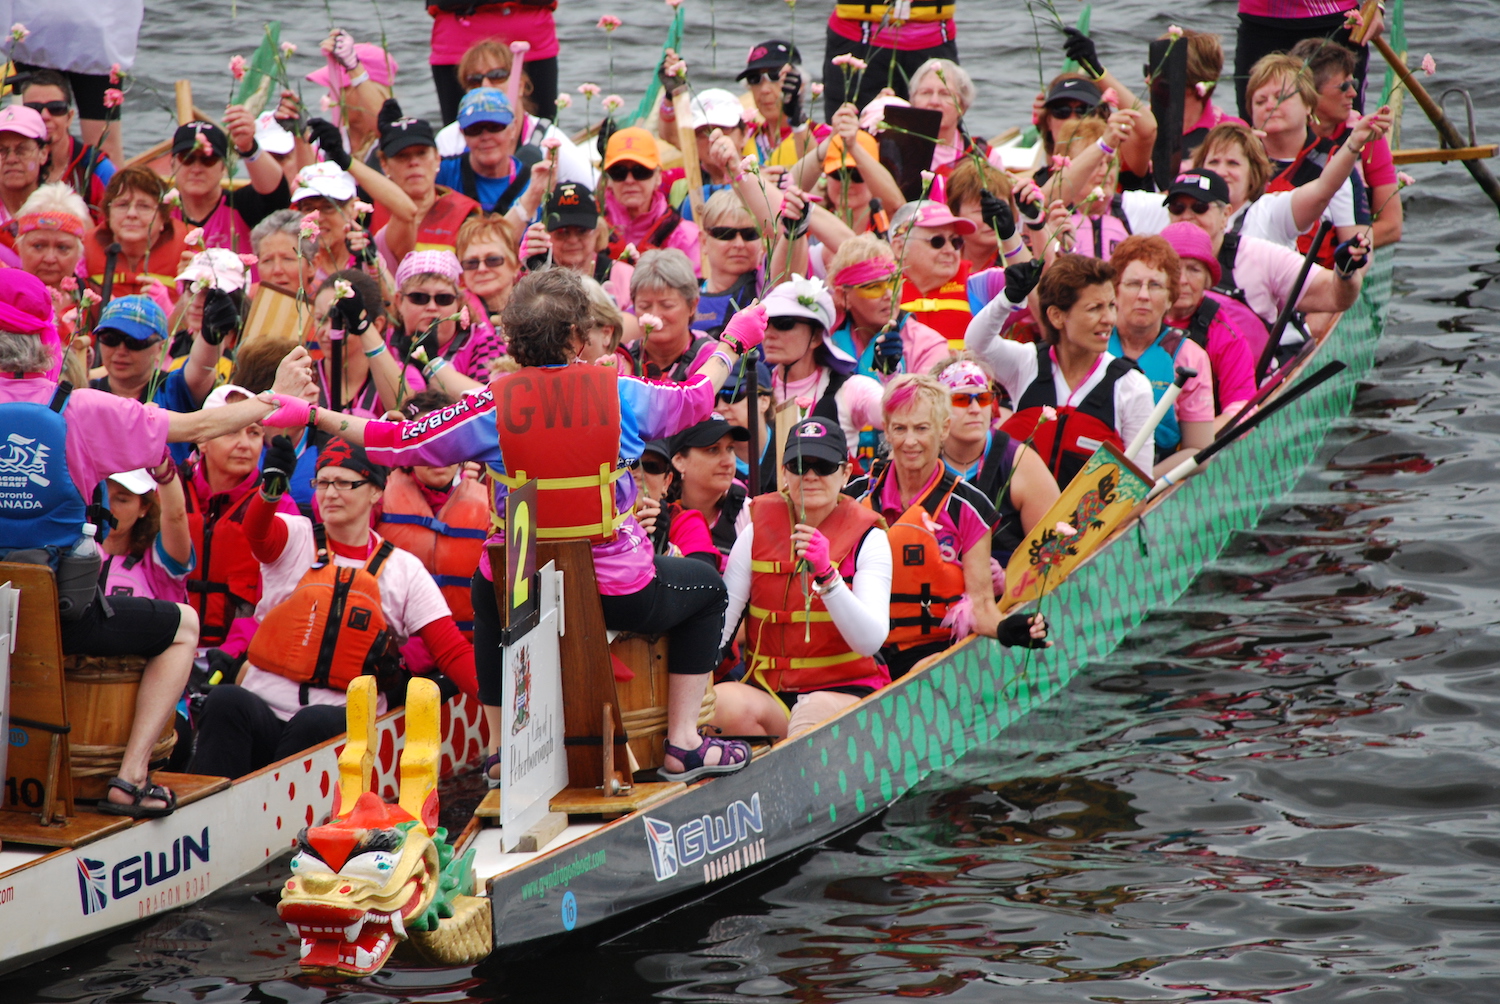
(380, 65)
(932, 215)
(23, 121)
(1191, 242)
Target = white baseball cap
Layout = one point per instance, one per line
(270, 136)
(324, 179)
(137, 482)
(220, 268)
(717, 107)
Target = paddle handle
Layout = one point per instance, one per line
(1168, 399)
(752, 402)
(1269, 351)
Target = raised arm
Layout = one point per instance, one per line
(1309, 201)
(265, 173)
(293, 377)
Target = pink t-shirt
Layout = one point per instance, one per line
(1229, 351)
(903, 37)
(1295, 8)
(452, 34)
(684, 237)
(689, 531)
(106, 434)
(1212, 116)
(155, 575)
(858, 399)
(1196, 402)
(1267, 272)
(960, 524)
(409, 599)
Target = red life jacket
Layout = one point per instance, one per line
(790, 648)
(657, 233)
(332, 628)
(162, 264)
(438, 230)
(561, 426)
(227, 576)
(1067, 443)
(1308, 166)
(448, 543)
(945, 309)
(924, 584)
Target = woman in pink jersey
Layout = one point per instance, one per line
(150, 550)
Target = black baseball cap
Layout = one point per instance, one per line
(571, 205)
(186, 138)
(1200, 183)
(817, 438)
(1075, 89)
(732, 391)
(707, 433)
(769, 55)
(398, 134)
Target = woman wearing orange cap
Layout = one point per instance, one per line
(634, 204)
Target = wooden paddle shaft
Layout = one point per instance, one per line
(184, 93)
(687, 140)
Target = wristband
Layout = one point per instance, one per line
(372, 353)
(431, 368)
(723, 357)
(362, 77)
(312, 416)
(828, 583)
(1109, 151)
(171, 474)
(1014, 251)
(252, 156)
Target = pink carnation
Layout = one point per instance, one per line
(1429, 65)
(551, 143)
(69, 283)
(248, 260)
(70, 316)
(1111, 97)
(1065, 530)
(1059, 162)
(19, 32)
(1049, 413)
(674, 4)
(609, 22)
(650, 323)
(90, 298)
(590, 91)
(613, 103)
(565, 100)
(816, 88)
(361, 206)
(1354, 19)
(1405, 179)
(463, 315)
(804, 404)
(114, 73)
(237, 67)
(194, 237)
(113, 97)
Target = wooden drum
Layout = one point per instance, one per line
(101, 692)
(643, 700)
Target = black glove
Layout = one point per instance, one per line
(791, 95)
(220, 316)
(996, 214)
(798, 227)
(276, 470)
(671, 85)
(1022, 279)
(1344, 261)
(348, 314)
(1080, 49)
(222, 665)
(390, 112)
(1015, 631)
(326, 135)
(1032, 211)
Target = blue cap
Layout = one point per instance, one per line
(135, 316)
(484, 104)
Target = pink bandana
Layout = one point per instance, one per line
(862, 273)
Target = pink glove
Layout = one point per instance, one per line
(292, 413)
(816, 553)
(746, 329)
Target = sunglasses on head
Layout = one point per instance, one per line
(938, 240)
(114, 339)
(754, 77)
(57, 109)
(1179, 207)
(488, 261)
(423, 299)
(619, 172)
(480, 128)
(655, 465)
(811, 465)
(1067, 109)
(748, 234)
(499, 73)
(198, 157)
(962, 399)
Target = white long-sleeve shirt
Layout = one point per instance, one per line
(862, 613)
(1014, 365)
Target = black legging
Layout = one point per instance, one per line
(878, 71)
(1260, 36)
(685, 601)
(541, 72)
(238, 732)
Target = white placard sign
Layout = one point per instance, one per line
(533, 762)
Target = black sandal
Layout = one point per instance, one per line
(135, 810)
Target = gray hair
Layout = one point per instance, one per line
(284, 221)
(665, 268)
(25, 354)
(956, 77)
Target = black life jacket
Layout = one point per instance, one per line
(995, 472)
(1079, 430)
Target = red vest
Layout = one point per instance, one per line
(1300, 172)
(790, 647)
(561, 426)
(227, 575)
(946, 308)
(448, 543)
(162, 264)
(438, 230)
(923, 584)
(1067, 442)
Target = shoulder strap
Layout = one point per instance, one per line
(320, 545)
(938, 497)
(467, 180)
(1171, 341)
(1203, 318)
(664, 229)
(1117, 210)
(377, 562)
(60, 396)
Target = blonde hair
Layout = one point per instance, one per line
(721, 206)
(603, 311)
(910, 387)
(1280, 66)
(486, 227)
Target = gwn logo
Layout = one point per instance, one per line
(98, 883)
(675, 848)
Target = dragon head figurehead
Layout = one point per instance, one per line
(376, 876)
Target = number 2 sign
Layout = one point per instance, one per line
(521, 601)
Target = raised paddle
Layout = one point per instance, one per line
(1202, 457)
(751, 384)
(1285, 318)
(1283, 371)
(1158, 413)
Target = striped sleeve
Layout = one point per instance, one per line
(656, 410)
(972, 515)
(462, 431)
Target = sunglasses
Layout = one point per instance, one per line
(963, 399)
(747, 234)
(114, 339)
(654, 465)
(499, 73)
(785, 323)
(619, 172)
(314, 204)
(1345, 88)
(206, 159)
(852, 174)
(811, 465)
(938, 240)
(57, 109)
(1066, 110)
(873, 290)
(423, 299)
(481, 128)
(753, 77)
(488, 261)
(1179, 207)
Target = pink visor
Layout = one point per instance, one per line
(935, 216)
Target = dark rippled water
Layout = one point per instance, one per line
(1285, 788)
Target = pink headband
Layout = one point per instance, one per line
(862, 273)
(66, 222)
(962, 375)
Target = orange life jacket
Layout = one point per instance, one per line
(561, 426)
(438, 230)
(792, 648)
(227, 576)
(945, 309)
(332, 628)
(448, 543)
(162, 264)
(923, 583)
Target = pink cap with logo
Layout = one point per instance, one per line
(23, 121)
(932, 215)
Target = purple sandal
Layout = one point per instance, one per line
(733, 756)
(491, 761)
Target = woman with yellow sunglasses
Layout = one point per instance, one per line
(863, 275)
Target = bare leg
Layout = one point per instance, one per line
(684, 702)
(161, 685)
(114, 145)
(743, 710)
